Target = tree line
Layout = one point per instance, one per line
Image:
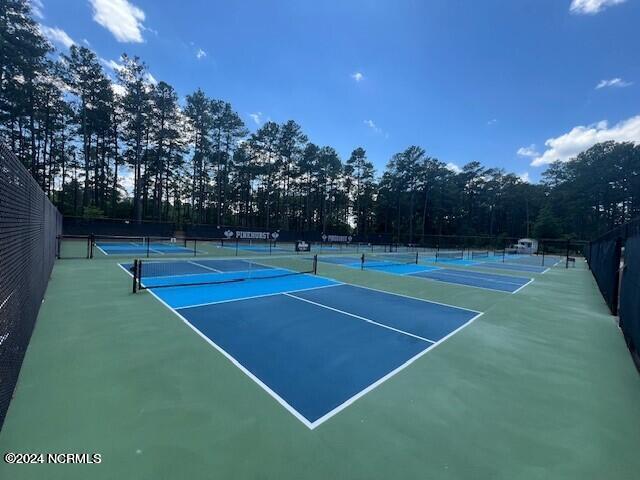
(126, 147)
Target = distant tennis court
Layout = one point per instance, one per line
(406, 264)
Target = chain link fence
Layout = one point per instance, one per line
(29, 224)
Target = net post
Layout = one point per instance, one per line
(542, 243)
(567, 258)
(135, 275)
(92, 243)
(58, 245)
(147, 239)
(315, 264)
(416, 257)
(362, 262)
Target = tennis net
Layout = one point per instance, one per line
(161, 274)
(450, 255)
(482, 254)
(377, 260)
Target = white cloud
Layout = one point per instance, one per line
(591, 7)
(529, 151)
(524, 177)
(151, 79)
(567, 146)
(37, 8)
(56, 35)
(493, 121)
(256, 117)
(614, 82)
(453, 167)
(121, 18)
(200, 54)
(357, 76)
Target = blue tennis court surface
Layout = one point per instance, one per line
(314, 344)
(488, 281)
(513, 267)
(133, 248)
(503, 283)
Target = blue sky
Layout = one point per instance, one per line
(510, 83)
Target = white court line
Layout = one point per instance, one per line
(239, 299)
(194, 262)
(516, 291)
(368, 320)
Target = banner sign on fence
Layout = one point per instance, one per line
(244, 235)
(337, 238)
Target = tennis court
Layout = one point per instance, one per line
(324, 344)
(407, 264)
(142, 246)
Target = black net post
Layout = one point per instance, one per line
(315, 264)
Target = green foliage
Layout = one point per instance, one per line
(547, 225)
(91, 211)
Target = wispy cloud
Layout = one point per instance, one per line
(200, 54)
(613, 83)
(493, 121)
(111, 64)
(256, 117)
(569, 145)
(529, 152)
(371, 124)
(37, 8)
(357, 76)
(591, 7)
(57, 36)
(151, 79)
(121, 18)
(375, 128)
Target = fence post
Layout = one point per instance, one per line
(135, 275)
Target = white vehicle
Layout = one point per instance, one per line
(526, 246)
